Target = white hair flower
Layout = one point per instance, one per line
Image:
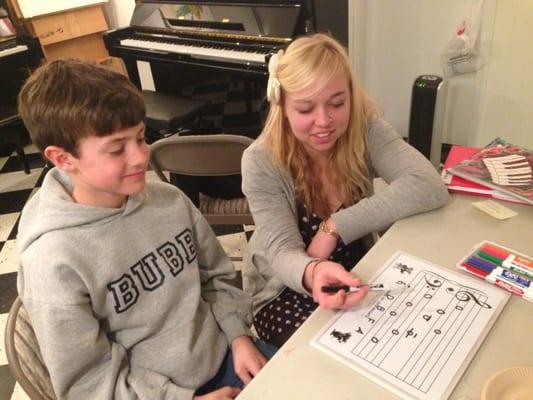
(273, 85)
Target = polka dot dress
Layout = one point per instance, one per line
(278, 320)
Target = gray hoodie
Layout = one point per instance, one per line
(128, 303)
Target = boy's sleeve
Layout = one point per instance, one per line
(229, 304)
(84, 364)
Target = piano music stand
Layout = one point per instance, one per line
(11, 129)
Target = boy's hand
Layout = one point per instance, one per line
(247, 359)
(225, 393)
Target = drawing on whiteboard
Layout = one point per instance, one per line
(340, 336)
(418, 337)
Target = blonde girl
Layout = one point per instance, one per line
(308, 179)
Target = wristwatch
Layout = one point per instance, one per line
(326, 229)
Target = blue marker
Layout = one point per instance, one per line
(496, 273)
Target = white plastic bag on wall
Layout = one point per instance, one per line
(461, 55)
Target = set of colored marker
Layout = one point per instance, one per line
(502, 267)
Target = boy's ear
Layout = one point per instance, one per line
(61, 158)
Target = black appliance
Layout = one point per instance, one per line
(426, 120)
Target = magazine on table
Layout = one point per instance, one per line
(502, 166)
(456, 184)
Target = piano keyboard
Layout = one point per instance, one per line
(13, 50)
(211, 53)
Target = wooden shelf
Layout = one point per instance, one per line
(54, 28)
(76, 32)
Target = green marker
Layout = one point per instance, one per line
(515, 268)
(490, 258)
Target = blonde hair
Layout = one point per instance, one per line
(311, 62)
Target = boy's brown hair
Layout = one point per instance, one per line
(69, 99)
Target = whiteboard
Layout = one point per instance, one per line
(417, 338)
(32, 8)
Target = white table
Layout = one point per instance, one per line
(299, 371)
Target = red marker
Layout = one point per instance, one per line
(508, 259)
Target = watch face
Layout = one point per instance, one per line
(326, 229)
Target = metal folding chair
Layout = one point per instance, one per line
(205, 155)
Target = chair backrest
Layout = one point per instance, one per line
(24, 356)
(205, 155)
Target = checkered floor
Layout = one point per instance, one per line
(227, 111)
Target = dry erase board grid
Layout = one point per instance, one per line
(418, 337)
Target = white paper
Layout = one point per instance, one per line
(494, 209)
(145, 75)
(417, 338)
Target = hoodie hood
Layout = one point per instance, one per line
(52, 208)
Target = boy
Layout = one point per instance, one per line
(128, 290)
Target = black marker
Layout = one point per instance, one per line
(351, 289)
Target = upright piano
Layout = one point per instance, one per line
(189, 41)
(236, 37)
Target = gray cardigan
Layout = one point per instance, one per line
(276, 255)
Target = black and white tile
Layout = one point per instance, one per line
(228, 101)
(16, 187)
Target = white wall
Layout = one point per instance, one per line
(33, 8)
(393, 42)
(119, 12)
(507, 105)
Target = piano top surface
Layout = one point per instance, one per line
(265, 21)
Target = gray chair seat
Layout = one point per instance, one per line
(226, 211)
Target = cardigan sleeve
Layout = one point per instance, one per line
(274, 216)
(414, 186)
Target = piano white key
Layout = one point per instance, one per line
(196, 51)
(13, 50)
